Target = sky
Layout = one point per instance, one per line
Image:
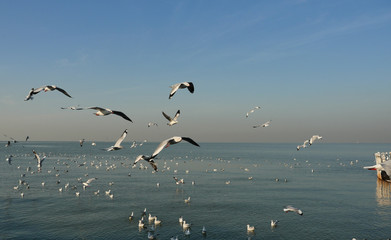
(314, 67)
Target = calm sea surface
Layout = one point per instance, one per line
(234, 185)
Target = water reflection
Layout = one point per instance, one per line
(383, 193)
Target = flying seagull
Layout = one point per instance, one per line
(46, 88)
(81, 142)
(252, 110)
(175, 87)
(315, 137)
(39, 160)
(117, 145)
(106, 111)
(266, 124)
(173, 120)
(304, 145)
(164, 144)
(87, 183)
(293, 209)
(73, 108)
(150, 124)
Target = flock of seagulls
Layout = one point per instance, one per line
(164, 144)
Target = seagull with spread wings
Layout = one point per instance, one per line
(164, 144)
(106, 111)
(39, 160)
(175, 87)
(46, 88)
(171, 120)
(117, 145)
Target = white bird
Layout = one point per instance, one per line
(157, 222)
(39, 160)
(187, 200)
(77, 194)
(252, 110)
(186, 225)
(203, 230)
(164, 144)
(315, 137)
(187, 232)
(273, 223)
(384, 166)
(293, 209)
(266, 124)
(173, 120)
(250, 228)
(117, 145)
(106, 111)
(87, 183)
(151, 218)
(73, 108)
(175, 87)
(140, 224)
(180, 220)
(304, 145)
(46, 88)
(150, 124)
(131, 217)
(9, 159)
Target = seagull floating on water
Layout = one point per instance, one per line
(173, 120)
(106, 111)
(293, 209)
(273, 223)
(9, 159)
(250, 228)
(164, 144)
(46, 88)
(175, 87)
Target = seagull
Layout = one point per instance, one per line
(293, 209)
(173, 120)
(8, 143)
(81, 142)
(175, 87)
(73, 108)
(39, 160)
(250, 228)
(266, 124)
(384, 166)
(304, 145)
(106, 111)
(252, 110)
(46, 88)
(164, 144)
(9, 159)
(87, 183)
(150, 124)
(117, 145)
(186, 225)
(27, 138)
(273, 223)
(315, 137)
(187, 200)
(131, 217)
(203, 230)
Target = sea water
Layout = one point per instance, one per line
(230, 185)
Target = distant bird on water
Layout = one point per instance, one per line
(106, 111)
(46, 88)
(293, 209)
(173, 120)
(252, 110)
(9, 159)
(164, 144)
(175, 87)
(117, 145)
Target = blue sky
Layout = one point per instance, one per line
(315, 67)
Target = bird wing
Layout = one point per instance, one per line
(160, 147)
(174, 88)
(98, 108)
(167, 117)
(187, 139)
(122, 115)
(139, 157)
(119, 141)
(90, 180)
(190, 87)
(37, 90)
(153, 164)
(177, 115)
(63, 91)
(36, 156)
